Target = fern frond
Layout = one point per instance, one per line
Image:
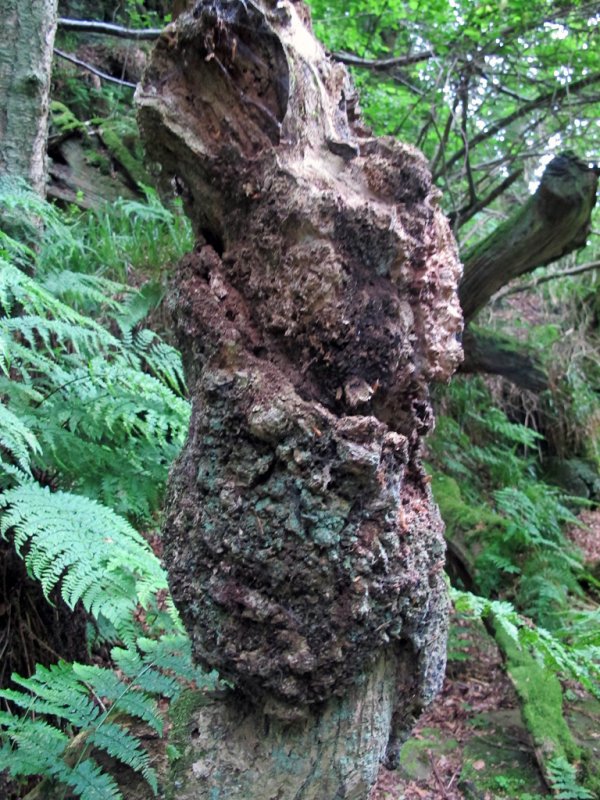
(147, 677)
(120, 744)
(162, 360)
(106, 684)
(16, 287)
(561, 658)
(94, 554)
(91, 292)
(563, 780)
(89, 781)
(55, 691)
(16, 439)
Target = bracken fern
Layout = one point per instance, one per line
(98, 404)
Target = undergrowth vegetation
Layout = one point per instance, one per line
(504, 522)
(93, 411)
(509, 521)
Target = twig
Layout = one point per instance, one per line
(455, 774)
(107, 29)
(436, 775)
(382, 63)
(545, 278)
(90, 68)
(95, 71)
(461, 217)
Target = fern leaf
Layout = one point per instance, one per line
(94, 554)
(90, 782)
(133, 702)
(120, 744)
(16, 439)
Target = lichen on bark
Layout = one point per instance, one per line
(301, 538)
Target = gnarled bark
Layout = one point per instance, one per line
(304, 549)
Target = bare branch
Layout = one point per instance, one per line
(105, 76)
(557, 94)
(107, 29)
(459, 218)
(566, 273)
(381, 64)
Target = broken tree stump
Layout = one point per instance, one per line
(305, 552)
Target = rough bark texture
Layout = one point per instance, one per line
(554, 222)
(331, 753)
(26, 40)
(303, 546)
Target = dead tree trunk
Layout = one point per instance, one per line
(497, 354)
(304, 549)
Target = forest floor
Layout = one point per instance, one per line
(471, 744)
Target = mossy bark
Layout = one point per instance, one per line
(552, 223)
(26, 41)
(304, 549)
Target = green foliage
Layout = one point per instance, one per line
(564, 658)
(563, 779)
(101, 705)
(92, 413)
(485, 480)
(95, 555)
(91, 399)
(489, 93)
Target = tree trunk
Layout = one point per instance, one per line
(497, 354)
(304, 549)
(26, 41)
(554, 222)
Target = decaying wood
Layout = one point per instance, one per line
(73, 179)
(554, 222)
(303, 546)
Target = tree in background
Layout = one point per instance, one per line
(26, 40)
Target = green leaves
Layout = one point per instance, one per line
(95, 555)
(486, 99)
(94, 405)
(105, 710)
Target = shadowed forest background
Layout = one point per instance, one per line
(503, 100)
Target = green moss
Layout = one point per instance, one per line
(179, 751)
(583, 715)
(415, 760)
(99, 160)
(63, 120)
(180, 715)
(541, 698)
(495, 764)
(121, 138)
